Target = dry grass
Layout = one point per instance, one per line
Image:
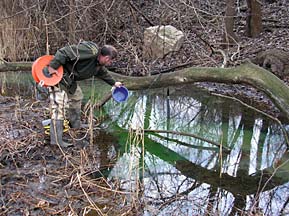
(41, 179)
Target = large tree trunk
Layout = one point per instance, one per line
(247, 73)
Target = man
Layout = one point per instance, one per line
(81, 61)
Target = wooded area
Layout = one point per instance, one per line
(238, 48)
(217, 34)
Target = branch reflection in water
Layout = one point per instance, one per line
(184, 175)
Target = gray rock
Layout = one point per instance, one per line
(161, 40)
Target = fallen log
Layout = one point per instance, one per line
(247, 73)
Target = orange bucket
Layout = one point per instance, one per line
(42, 78)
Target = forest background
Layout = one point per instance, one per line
(217, 34)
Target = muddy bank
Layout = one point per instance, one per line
(40, 179)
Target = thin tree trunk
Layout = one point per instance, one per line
(254, 19)
(229, 36)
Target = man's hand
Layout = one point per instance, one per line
(118, 84)
(48, 71)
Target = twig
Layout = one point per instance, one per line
(172, 68)
(2, 60)
(87, 197)
(187, 134)
(19, 12)
(46, 34)
(225, 57)
(137, 10)
(267, 182)
(170, 7)
(221, 156)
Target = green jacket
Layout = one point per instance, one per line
(80, 62)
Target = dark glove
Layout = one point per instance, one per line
(46, 72)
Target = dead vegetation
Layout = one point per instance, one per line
(32, 28)
(38, 179)
(40, 27)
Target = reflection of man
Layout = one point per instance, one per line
(80, 62)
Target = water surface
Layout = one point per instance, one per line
(208, 155)
(181, 151)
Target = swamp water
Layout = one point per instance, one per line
(182, 152)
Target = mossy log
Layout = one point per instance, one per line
(14, 66)
(247, 73)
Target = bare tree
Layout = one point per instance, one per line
(229, 36)
(254, 18)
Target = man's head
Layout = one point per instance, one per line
(106, 55)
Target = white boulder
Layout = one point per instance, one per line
(161, 40)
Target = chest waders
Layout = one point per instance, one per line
(74, 110)
(58, 101)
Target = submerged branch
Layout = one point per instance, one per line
(187, 134)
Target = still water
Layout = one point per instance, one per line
(213, 156)
(183, 152)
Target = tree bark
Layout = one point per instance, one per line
(247, 73)
(14, 66)
(254, 19)
(229, 36)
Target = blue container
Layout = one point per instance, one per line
(120, 94)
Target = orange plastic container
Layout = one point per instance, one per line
(45, 79)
